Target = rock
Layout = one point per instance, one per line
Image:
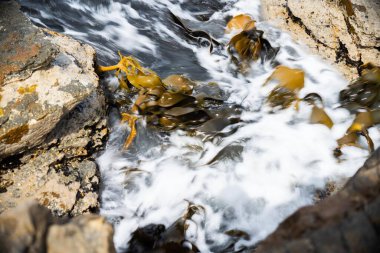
(24, 229)
(346, 33)
(87, 233)
(347, 221)
(52, 118)
(43, 76)
(30, 228)
(62, 177)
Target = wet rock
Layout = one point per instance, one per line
(348, 221)
(345, 33)
(31, 228)
(52, 118)
(43, 76)
(23, 48)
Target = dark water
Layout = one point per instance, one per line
(83, 20)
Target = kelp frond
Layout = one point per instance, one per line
(136, 75)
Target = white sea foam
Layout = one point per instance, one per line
(117, 28)
(283, 159)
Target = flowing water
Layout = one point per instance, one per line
(269, 166)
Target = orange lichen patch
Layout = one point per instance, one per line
(53, 194)
(24, 55)
(18, 55)
(45, 202)
(63, 206)
(14, 135)
(6, 70)
(9, 40)
(52, 32)
(27, 89)
(240, 22)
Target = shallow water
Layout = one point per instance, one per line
(271, 165)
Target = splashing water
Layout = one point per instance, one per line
(271, 164)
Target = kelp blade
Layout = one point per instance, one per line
(319, 116)
(250, 46)
(240, 22)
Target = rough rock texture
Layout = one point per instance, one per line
(346, 33)
(61, 176)
(88, 233)
(30, 228)
(43, 77)
(348, 221)
(52, 117)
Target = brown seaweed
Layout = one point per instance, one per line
(362, 122)
(179, 83)
(240, 22)
(195, 34)
(319, 116)
(361, 97)
(291, 81)
(175, 102)
(251, 46)
(364, 92)
(136, 75)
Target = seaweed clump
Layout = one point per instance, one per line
(290, 82)
(171, 103)
(362, 98)
(249, 44)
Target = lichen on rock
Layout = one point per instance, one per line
(52, 118)
(41, 88)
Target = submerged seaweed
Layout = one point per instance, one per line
(175, 102)
(196, 35)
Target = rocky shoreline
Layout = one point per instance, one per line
(53, 123)
(344, 33)
(53, 118)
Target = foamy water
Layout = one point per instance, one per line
(274, 162)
